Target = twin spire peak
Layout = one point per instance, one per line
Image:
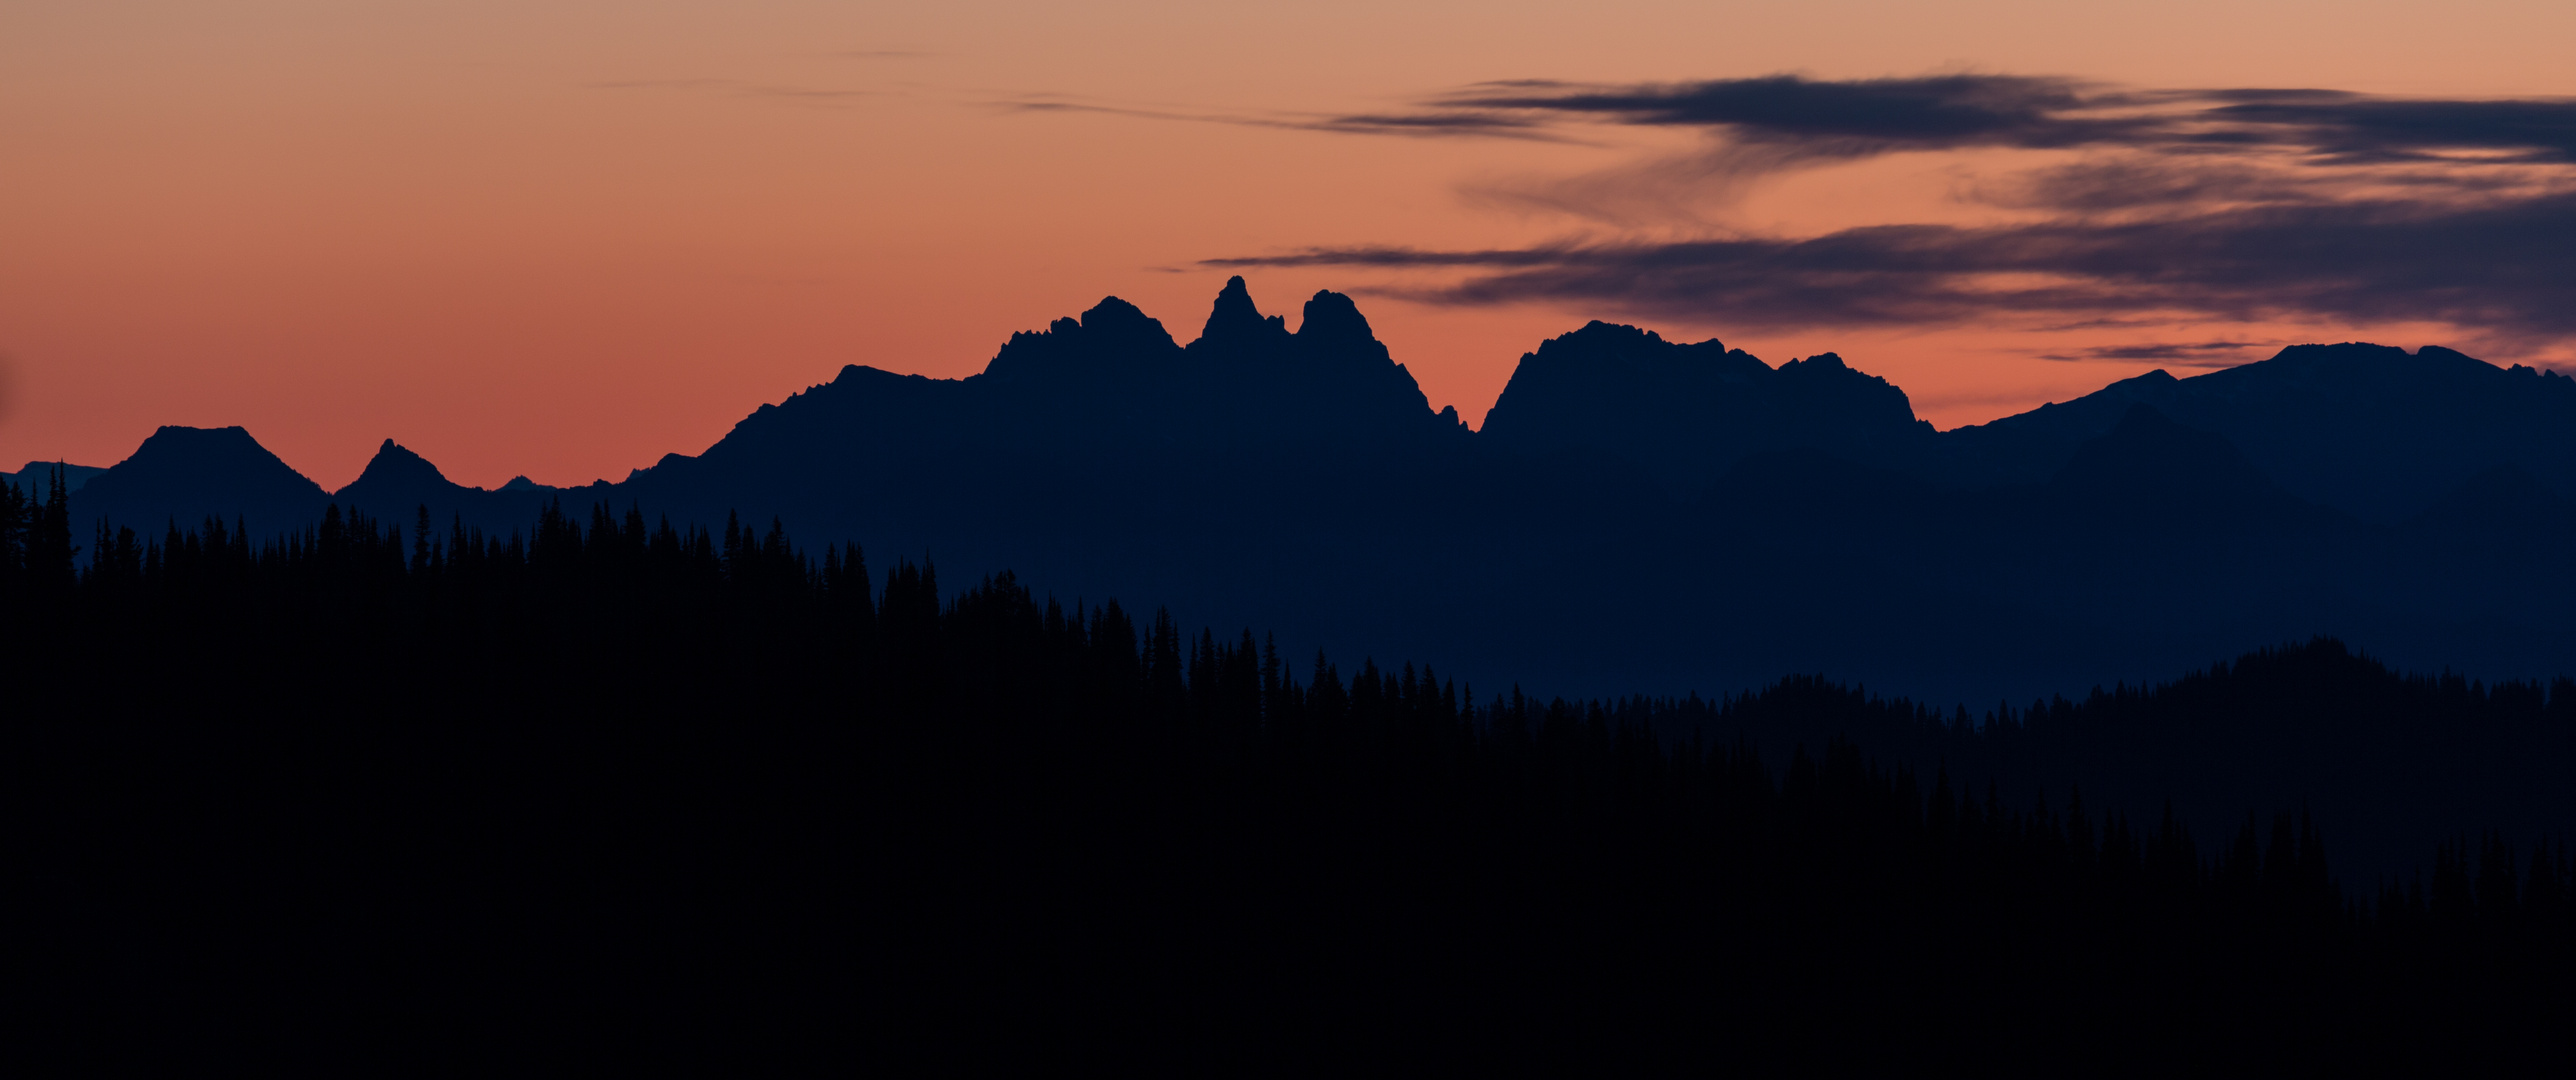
(1330, 317)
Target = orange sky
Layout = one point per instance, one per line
(562, 239)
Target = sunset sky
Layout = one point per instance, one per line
(562, 239)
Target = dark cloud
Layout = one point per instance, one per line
(2196, 354)
(2026, 112)
(2227, 204)
(1849, 118)
(2133, 181)
(2359, 129)
(1868, 116)
(2500, 267)
(1804, 119)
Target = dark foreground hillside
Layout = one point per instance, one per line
(614, 787)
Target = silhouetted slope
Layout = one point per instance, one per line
(185, 475)
(34, 478)
(2152, 472)
(2368, 429)
(397, 484)
(2504, 504)
(2030, 447)
(1686, 413)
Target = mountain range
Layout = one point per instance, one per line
(1635, 514)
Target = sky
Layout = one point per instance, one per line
(561, 239)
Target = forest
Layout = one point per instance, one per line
(611, 782)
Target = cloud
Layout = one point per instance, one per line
(2353, 128)
(2213, 354)
(2143, 207)
(1841, 119)
(1784, 121)
(1409, 125)
(2499, 266)
(1860, 117)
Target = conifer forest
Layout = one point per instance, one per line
(609, 776)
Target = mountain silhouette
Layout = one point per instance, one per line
(1686, 413)
(2152, 471)
(1680, 536)
(397, 484)
(400, 474)
(2371, 430)
(2505, 502)
(185, 475)
(1099, 455)
(34, 479)
(1246, 381)
(1637, 514)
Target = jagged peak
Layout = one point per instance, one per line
(1113, 328)
(1118, 318)
(397, 454)
(1332, 318)
(395, 459)
(1831, 368)
(1235, 318)
(1603, 346)
(1597, 329)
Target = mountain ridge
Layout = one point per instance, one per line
(2370, 429)
(1708, 519)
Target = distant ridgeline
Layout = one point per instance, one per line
(1636, 514)
(608, 781)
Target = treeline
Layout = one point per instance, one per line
(612, 782)
(2391, 765)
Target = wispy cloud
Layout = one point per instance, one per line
(2354, 128)
(2500, 266)
(2144, 207)
(1409, 125)
(1838, 119)
(1861, 117)
(2212, 354)
(1811, 120)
